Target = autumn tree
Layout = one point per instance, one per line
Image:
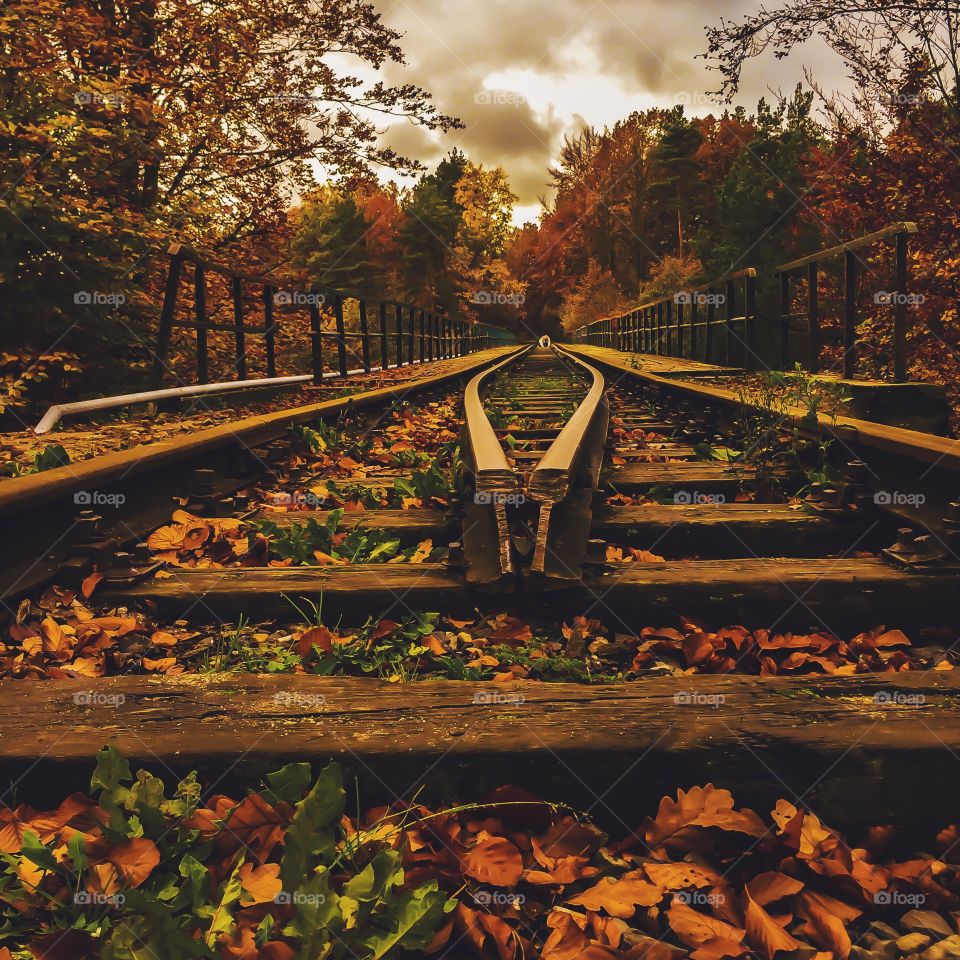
(128, 125)
(895, 52)
(760, 202)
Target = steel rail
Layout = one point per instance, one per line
(564, 481)
(491, 481)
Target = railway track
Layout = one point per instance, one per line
(565, 484)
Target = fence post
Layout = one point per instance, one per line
(813, 319)
(341, 334)
(731, 291)
(694, 310)
(421, 319)
(785, 320)
(749, 322)
(236, 285)
(316, 338)
(410, 337)
(849, 315)
(269, 330)
(680, 313)
(200, 315)
(167, 312)
(364, 336)
(708, 330)
(398, 315)
(900, 312)
(384, 345)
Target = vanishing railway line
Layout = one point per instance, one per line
(573, 461)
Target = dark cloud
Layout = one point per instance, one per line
(579, 61)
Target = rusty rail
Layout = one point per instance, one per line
(491, 482)
(565, 479)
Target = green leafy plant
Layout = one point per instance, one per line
(136, 874)
(53, 455)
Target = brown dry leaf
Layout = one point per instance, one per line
(804, 830)
(645, 556)
(680, 876)
(569, 838)
(134, 859)
(826, 925)
(567, 941)
(719, 949)
(13, 825)
(700, 807)
(253, 823)
(167, 538)
(695, 928)
(319, 637)
(160, 638)
(476, 926)
(620, 897)
(90, 584)
(771, 886)
(511, 630)
(161, 665)
(764, 932)
(260, 884)
(57, 641)
(423, 551)
(495, 860)
(85, 667)
(434, 645)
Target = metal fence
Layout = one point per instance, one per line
(719, 323)
(414, 333)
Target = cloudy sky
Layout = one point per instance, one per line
(521, 73)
